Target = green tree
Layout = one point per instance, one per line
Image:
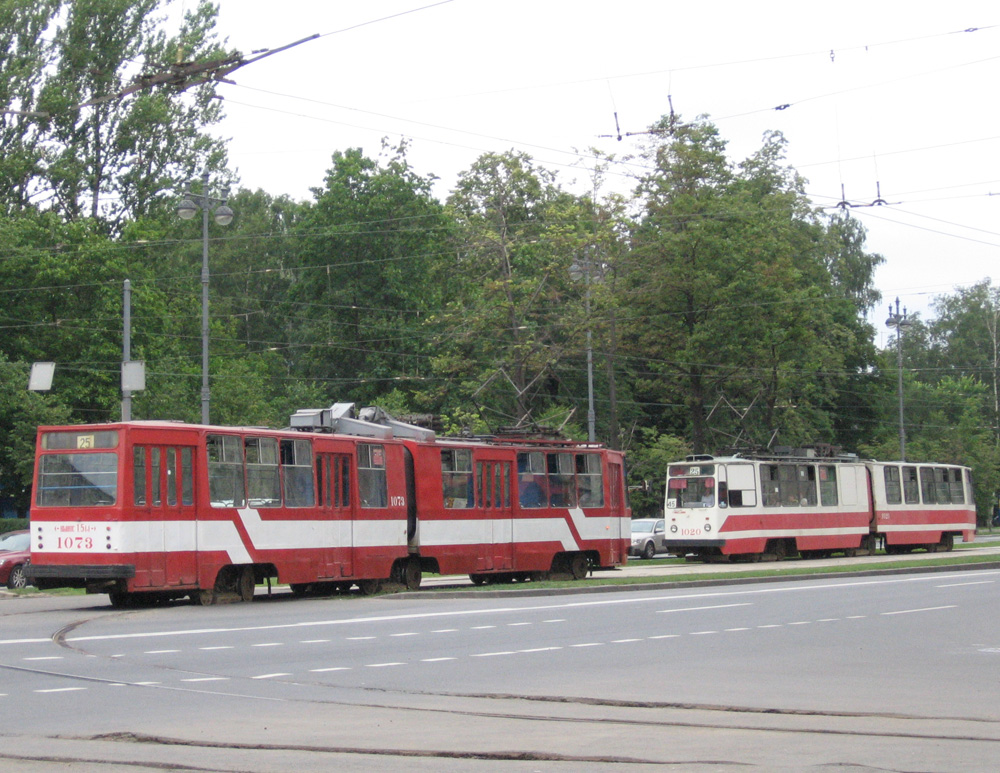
(367, 278)
(736, 313)
(23, 56)
(502, 333)
(110, 157)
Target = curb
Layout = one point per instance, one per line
(715, 582)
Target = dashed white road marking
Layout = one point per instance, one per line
(923, 609)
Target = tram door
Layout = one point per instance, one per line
(333, 472)
(493, 492)
(163, 497)
(616, 501)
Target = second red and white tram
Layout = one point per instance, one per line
(774, 507)
(147, 509)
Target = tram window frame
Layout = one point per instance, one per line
(155, 493)
(943, 490)
(829, 495)
(561, 479)
(297, 472)
(911, 484)
(893, 485)
(956, 485)
(139, 476)
(263, 471)
(172, 477)
(791, 485)
(590, 482)
(372, 485)
(928, 486)
(457, 481)
(187, 476)
(226, 475)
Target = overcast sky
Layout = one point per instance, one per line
(883, 93)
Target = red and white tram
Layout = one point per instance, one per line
(152, 509)
(773, 507)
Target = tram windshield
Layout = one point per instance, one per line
(692, 491)
(77, 480)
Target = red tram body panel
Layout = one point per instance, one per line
(747, 507)
(169, 509)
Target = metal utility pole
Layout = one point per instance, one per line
(899, 322)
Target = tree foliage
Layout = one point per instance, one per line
(744, 327)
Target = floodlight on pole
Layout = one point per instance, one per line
(222, 215)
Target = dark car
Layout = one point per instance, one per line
(14, 555)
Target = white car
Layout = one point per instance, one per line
(648, 537)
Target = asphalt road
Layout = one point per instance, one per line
(894, 672)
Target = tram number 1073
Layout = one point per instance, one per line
(74, 543)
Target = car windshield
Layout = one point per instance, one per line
(15, 541)
(642, 527)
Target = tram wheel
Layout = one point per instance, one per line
(578, 566)
(412, 574)
(205, 597)
(246, 584)
(369, 587)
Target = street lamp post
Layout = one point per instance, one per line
(223, 215)
(577, 271)
(899, 322)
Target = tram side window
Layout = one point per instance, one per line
(928, 489)
(562, 482)
(828, 485)
(911, 486)
(371, 475)
(941, 485)
(893, 489)
(955, 485)
(589, 480)
(155, 497)
(788, 485)
(171, 465)
(263, 476)
(296, 466)
(187, 476)
(139, 476)
(456, 477)
(226, 483)
(531, 479)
